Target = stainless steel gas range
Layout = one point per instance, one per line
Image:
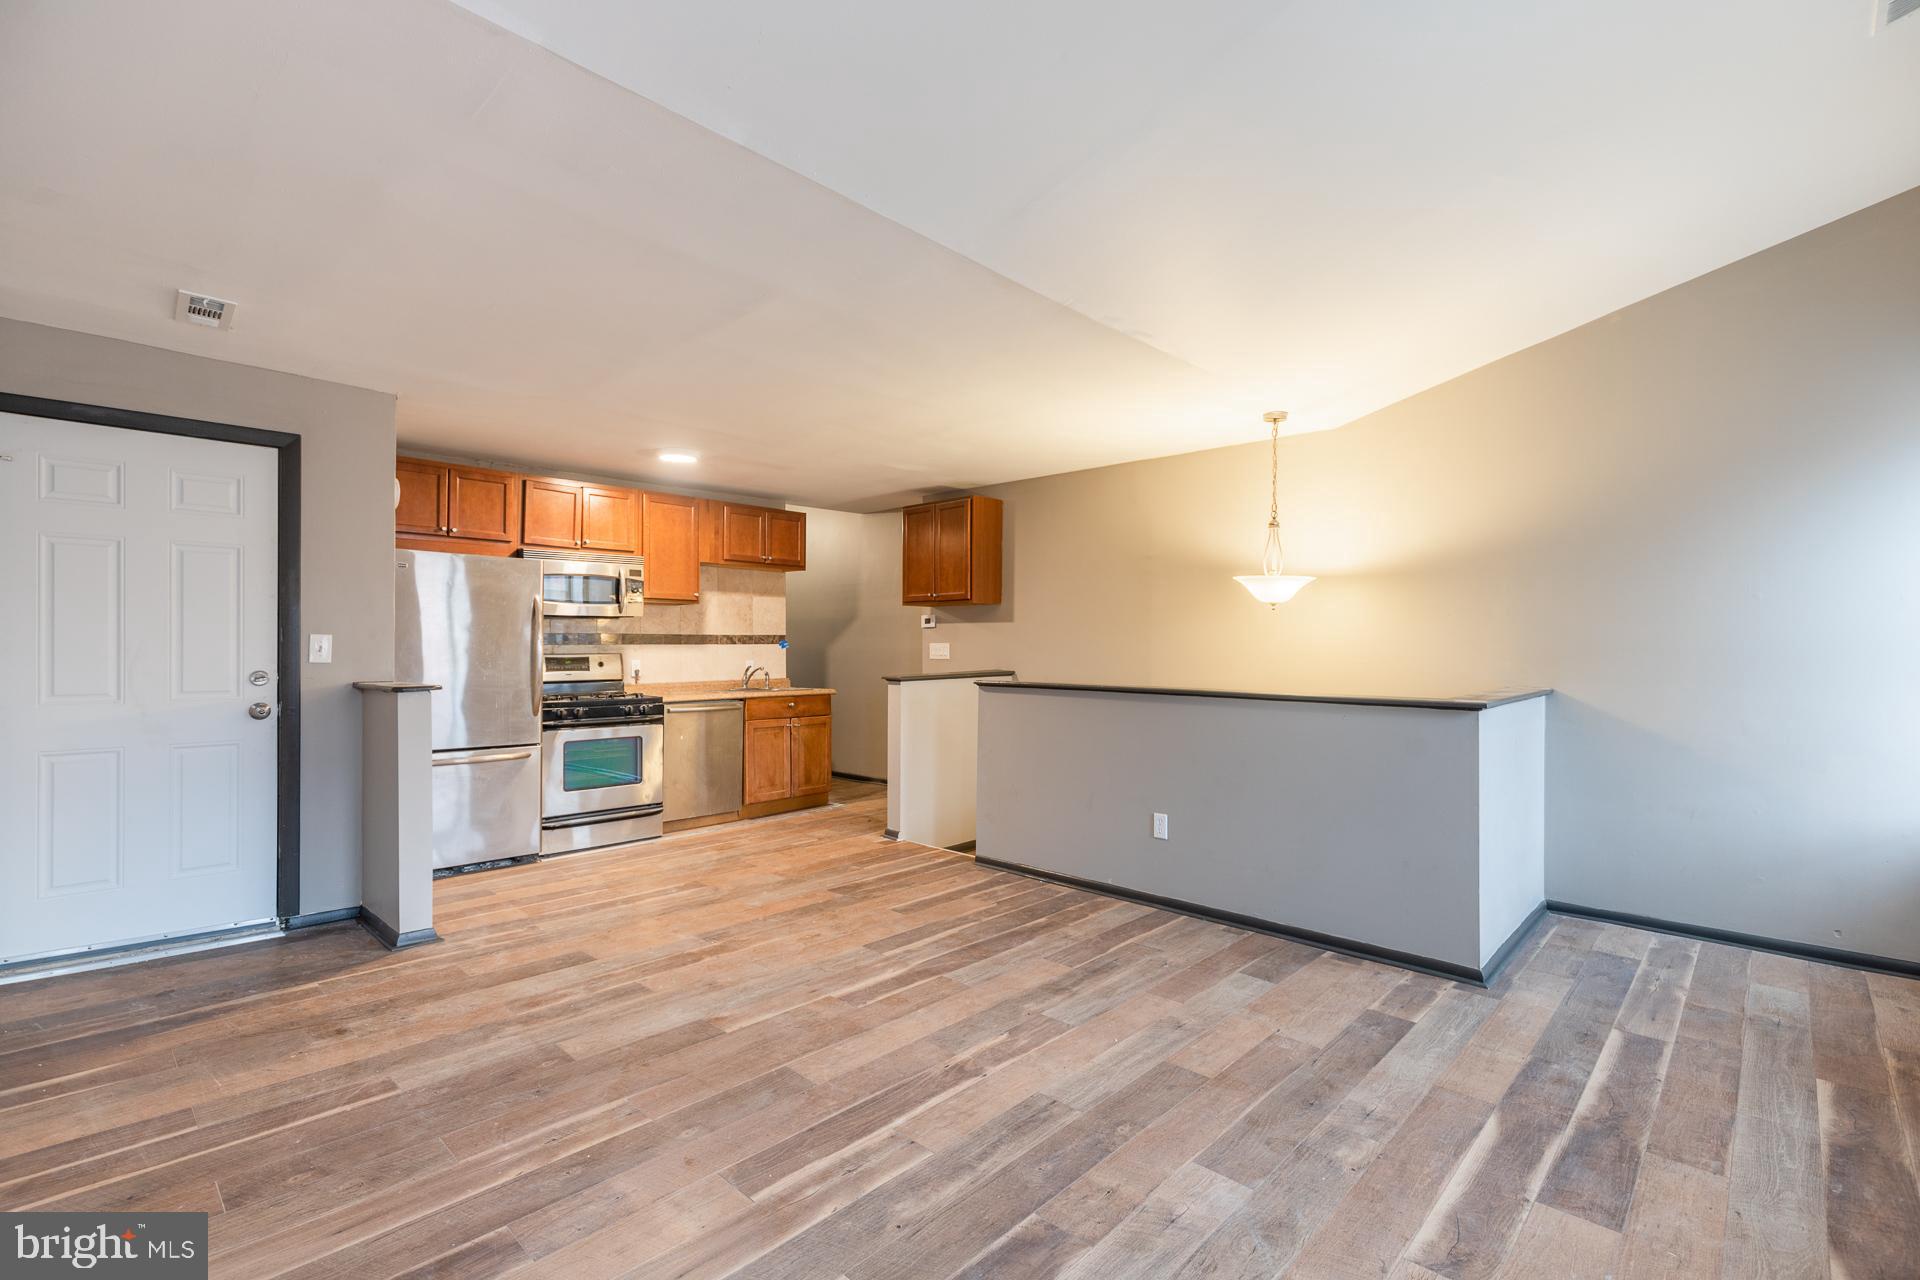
(602, 755)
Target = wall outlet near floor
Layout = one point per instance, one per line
(1159, 826)
(319, 648)
(939, 651)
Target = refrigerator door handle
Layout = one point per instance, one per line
(490, 757)
(539, 651)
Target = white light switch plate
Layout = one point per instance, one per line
(939, 651)
(319, 648)
(1159, 826)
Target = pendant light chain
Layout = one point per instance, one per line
(1270, 586)
(1273, 507)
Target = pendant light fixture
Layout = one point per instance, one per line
(1270, 586)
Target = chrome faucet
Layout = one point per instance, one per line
(746, 681)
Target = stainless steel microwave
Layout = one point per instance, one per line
(584, 584)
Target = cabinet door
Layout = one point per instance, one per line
(670, 540)
(918, 528)
(743, 534)
(423, 498)
(483, 504)
(609, 520)
(812, 742)
(552, 514)
(787, 539)
(952, 557)
(769, 761)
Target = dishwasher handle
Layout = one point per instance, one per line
(703, 706)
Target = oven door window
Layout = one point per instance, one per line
(600, 762)
(581, 588)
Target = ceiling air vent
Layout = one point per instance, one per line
(198, 308)
(1889, 12)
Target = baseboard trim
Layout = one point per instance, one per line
(391, 938)
(1325, 941)
(889, 834)
(1751, 941)
(856, 777)
(965, 846)
(1504, 952)
(314, 919)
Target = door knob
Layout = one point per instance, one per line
(260, 710)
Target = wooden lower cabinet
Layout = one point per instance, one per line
(811, 744)
(769, 767)
(789, 753)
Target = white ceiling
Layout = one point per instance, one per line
(851, 252)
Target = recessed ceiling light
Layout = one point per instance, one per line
(677, 455)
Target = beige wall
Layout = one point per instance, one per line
(848, 629)
(1698, 519)
(346, 535)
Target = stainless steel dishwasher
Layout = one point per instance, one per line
(703, 758)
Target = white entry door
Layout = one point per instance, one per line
(137, 626)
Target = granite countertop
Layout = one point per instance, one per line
(1467, 702)
(719, 691)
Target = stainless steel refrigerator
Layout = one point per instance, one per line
(471, 624)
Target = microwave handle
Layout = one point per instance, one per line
(539, 651)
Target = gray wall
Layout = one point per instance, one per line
(1358, 822)
(346, 535)
(847, 629)
(1697, 518)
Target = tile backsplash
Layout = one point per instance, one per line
(740, 618)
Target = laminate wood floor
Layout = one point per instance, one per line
(793, 1049)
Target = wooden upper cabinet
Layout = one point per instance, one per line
(670, 533)
(483, 504)
(568, 514)
(609, 519)
(422, 507)
(550, 514)
(733, 533)
(786, 539)
(950, 552)
(442, 500)
(743, 534)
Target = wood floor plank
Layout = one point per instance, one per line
(1473, 1227)
(1593, 1176)
(790, 1049)
(1676, 1225)
(1776, 1203)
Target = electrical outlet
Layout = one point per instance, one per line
(319, 648)
(1159, 826)
(939, 651)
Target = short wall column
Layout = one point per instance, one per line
(396, 812)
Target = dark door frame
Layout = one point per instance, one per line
(287, 445)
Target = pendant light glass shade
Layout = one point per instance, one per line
(1270, 586)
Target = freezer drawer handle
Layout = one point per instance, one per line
(490, 758)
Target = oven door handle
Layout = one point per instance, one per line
(602, 815)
